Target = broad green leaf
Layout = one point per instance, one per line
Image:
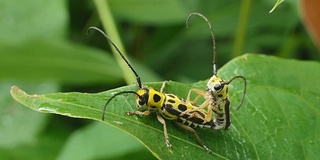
(21, 128)
(32, 48)
(61, 61)
(280, 116)
(150, 12)
(20, 125)
(35, 18)
(98, 139)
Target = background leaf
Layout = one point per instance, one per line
(51, 57)
(268, 125)
(21, 20)
(21, 128)
(160, 11)
(96, 137)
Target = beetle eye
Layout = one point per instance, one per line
(141, 101)
(217, 87)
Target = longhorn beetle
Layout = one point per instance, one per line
(216, 94)
(167, 106)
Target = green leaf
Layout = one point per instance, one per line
(28, 19)
(61, 61)
(280, 116)
(22, 130)
(98, 138)
(19, 125)
(150, 12)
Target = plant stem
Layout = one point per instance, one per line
(110, 28)
(241, 29)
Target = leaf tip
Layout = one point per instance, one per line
(14, 90)
(17, 93)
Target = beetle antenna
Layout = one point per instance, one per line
(212, 36)
(122, 56)
(124, 92)
(244, 90)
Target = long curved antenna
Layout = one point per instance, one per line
(212, 35)
(105, 106)
(244, 90)
(122, 56)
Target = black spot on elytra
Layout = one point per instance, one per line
(196, 120)
(169, 109)
(182, 107)
(185, 116)
(201, 114)
(156, 98)
(171, 101)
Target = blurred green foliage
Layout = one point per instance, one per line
(44, 48)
